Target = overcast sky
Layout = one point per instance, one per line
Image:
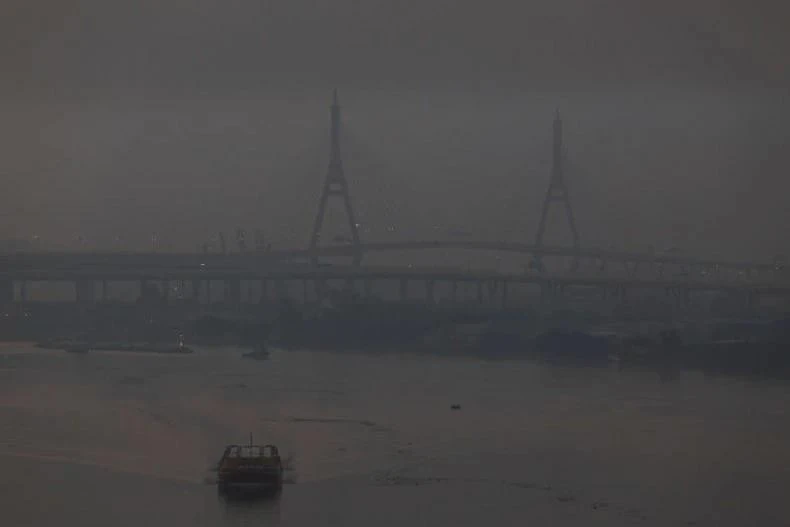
(188, 116)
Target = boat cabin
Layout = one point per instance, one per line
(250, 452)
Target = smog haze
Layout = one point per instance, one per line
(123, 119)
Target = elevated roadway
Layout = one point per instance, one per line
(116, 261)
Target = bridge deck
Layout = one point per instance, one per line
(280, 265)
(44, 260)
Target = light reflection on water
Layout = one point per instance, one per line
(129, 439)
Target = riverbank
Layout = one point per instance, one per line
(127, 347)
(756, 348)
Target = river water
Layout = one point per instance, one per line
(129, 439)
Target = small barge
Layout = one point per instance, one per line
(249, 469)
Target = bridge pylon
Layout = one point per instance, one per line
(557, 192)
(335, 185)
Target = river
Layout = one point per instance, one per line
(129, 439)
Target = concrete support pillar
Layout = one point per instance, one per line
(320, 288)
(105, 290)
(671, 292)
(196, 291)
(752, 299)
(6, 291)
(454, 292)
(492, 286)
(85, 292)
(305, 298)
(23, 296)
(233, 289)
(367, 284)
(504, 293)
(429, 291)
(281, 289)
(546, 290)
(165, 287)
(404, 289)
(479, 291)
(264, 291)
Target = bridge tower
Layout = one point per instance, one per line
(335, 185)
(557, 192)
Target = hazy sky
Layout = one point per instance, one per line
(189, 116)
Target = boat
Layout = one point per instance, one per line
(260, 354)
(249, 469)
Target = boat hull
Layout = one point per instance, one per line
(257, 481)
(250, 488)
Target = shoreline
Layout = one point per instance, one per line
(765, 361)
